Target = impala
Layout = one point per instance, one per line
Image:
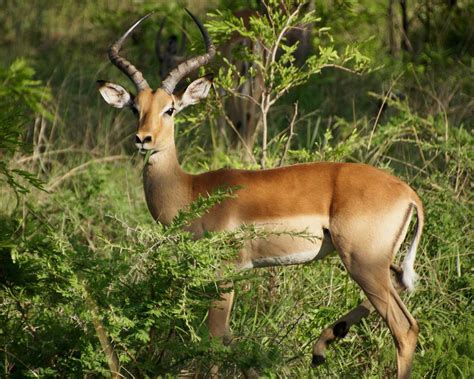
(361, 212)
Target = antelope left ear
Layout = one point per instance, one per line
(114, 94)
(194, 93)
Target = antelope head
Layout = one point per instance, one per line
(155, 109)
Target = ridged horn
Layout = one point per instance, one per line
(190, 64)
(123, 64)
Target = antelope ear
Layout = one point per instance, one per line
(194, 93)
(115, 95)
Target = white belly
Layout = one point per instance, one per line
(284, 260)
(284, 247)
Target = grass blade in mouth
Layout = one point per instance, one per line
(148, 155)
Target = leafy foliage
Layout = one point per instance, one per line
(20, 96)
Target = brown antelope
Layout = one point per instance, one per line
(361, 212)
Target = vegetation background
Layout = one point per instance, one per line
(89, 284)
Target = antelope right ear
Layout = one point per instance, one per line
(114, 94)
(195, 92)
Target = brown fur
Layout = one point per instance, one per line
(359, 210)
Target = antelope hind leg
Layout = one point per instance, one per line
(341, 327)
(339, 330)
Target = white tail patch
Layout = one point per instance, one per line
(409, 276)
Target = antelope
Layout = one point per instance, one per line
(360, 211)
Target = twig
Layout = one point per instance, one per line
(290, 135)
(389, 92)
(280, 37)
(291, 328)
(418, 144)
(333, 65)
(19, 360)
(244, 96)
(231, 124)
(267, 101)
(408, 164)
(423, 169)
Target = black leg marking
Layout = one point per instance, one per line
(318, 360)
(340, 329)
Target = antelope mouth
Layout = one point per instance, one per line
(147, 151)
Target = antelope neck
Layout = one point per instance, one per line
(167, 187)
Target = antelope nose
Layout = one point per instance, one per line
(140, 141)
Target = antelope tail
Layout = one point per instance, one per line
(409, 275)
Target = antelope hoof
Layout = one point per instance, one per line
(251, 373)
(318, 360)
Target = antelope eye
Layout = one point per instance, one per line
(170, 111)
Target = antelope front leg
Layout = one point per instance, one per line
(218, 318)
(338, 330)
(218, 321)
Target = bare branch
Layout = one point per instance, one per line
(279, 38)
(244, 96)
(290, 135)
(232, 126)
(387, 95)
(339, 67)
(267, 101)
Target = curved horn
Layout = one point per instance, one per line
(123, 64)
(191, 64)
